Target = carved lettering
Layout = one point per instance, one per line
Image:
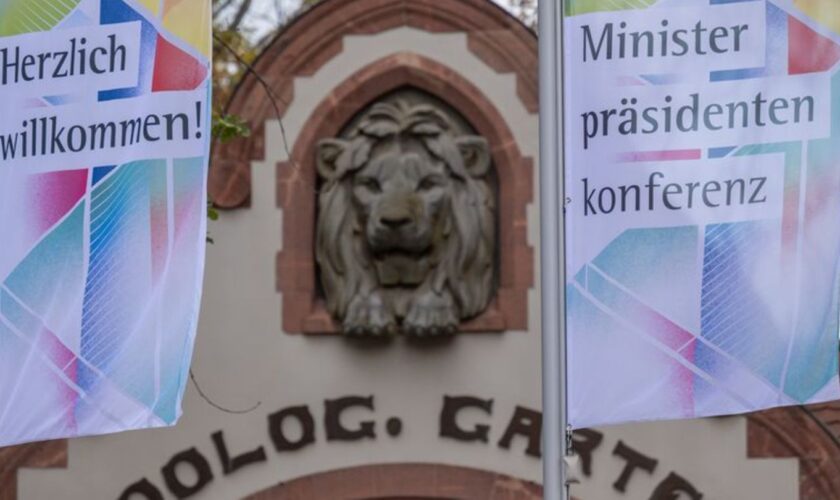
(632, 460)
(526, 423)
(452, 406)
(275, 428)
(232, 464)
(672, 486)
(195, 460)
(584, 442)
(142, 487)
(333, 408)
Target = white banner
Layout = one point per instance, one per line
(104, 137)
(703, 186)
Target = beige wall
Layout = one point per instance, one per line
(242, 357)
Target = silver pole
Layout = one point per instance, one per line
(552, 258)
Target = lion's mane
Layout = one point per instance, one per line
(465, 263)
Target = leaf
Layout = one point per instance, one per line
(229, 127)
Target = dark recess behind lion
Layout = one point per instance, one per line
(405, 236)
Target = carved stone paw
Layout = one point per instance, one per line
(431, 315)
(369, 316)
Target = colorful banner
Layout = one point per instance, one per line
(703, 195)
(104, 136)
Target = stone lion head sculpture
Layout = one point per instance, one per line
(406, 224)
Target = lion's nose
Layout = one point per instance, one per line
(395, 221)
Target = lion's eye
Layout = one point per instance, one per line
(428, 183)
(371, 184)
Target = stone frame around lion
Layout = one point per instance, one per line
(303, 310)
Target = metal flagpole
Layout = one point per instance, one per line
(552, 257)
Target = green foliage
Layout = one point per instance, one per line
(229, 127)
(225, 128)
(212, 213)
(230, 49)
(235, 46)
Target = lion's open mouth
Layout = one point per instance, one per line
(399, 267)
(397, 252)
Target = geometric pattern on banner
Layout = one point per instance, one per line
(89, 240)
(724, 347)
(29, 16)
(111, 374)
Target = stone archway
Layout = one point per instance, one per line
(312, 41)
(316, 37)
(811, 434)
(47, 454)
(303, 312)
(403, 482)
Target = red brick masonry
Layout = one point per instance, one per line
(811, 434)
(302, 310)
(37, 455)
(403, 482)
(508, 47)
(315, 38)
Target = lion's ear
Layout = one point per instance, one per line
(476, 154)
(328, 158)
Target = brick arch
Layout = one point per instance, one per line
(46, 454)
(303, 311)
(810, 434)
(403, 482)
(314, 38)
